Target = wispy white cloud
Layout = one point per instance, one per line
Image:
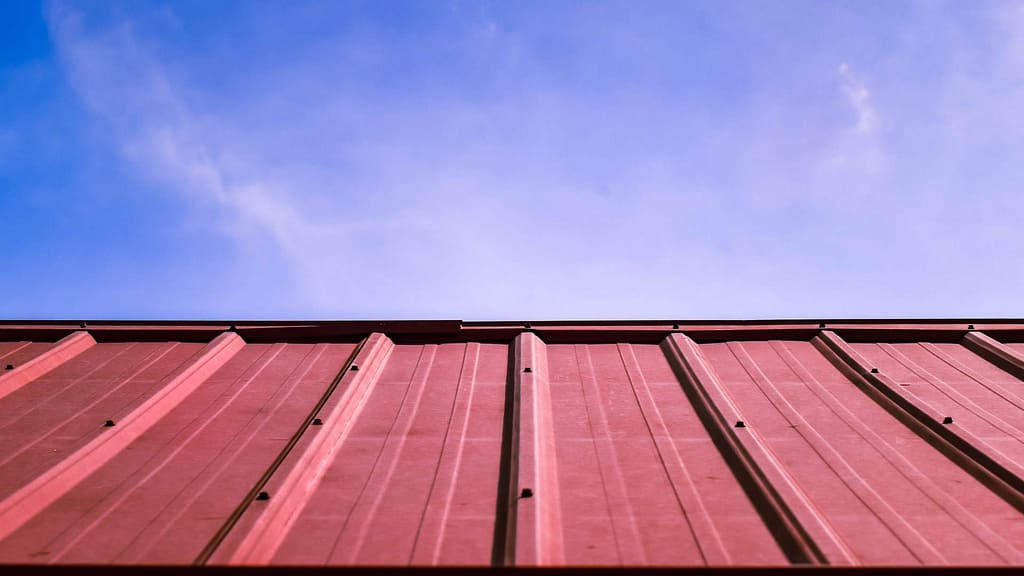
(859, 99)
(156, 130)
(855, 155)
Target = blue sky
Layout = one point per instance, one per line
(511, 160)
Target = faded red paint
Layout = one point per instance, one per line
(556, 443)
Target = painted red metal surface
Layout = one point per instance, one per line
(844, 443)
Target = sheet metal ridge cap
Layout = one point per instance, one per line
(273, 524)
(533, 323)
(254, 323)
(224, 324)
(555, 331)
(960, 446)
(740, 321)
(51, 485)
(62, 351)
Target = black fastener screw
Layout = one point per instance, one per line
(9, 367)
(355, 368)
(741, 424)
(947, 420)
(263, 496)
(318, 422)
(527, 369)
(874, 370)
(108, 424)
(970, 326)
(526, 493)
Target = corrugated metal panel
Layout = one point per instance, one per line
(441, 443)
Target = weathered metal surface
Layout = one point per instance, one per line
(857, 443)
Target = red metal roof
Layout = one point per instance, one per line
(546, 443)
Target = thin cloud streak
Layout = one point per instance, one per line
(156, 130)
(860, 100)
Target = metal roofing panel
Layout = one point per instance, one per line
(639, 479)
(405, 470)
(558, 443)
(889, 495)
(17, 353)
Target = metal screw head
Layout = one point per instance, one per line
(354, 368)
(740, 424)
(527, 369)
(970, 326)
(108, 424)
(947, 420)
(263, 496)
(874, 370)
(526, 493)
(9, 367)
(318, 422)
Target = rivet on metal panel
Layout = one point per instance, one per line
(108, 424)
(9, 367)
(741, 424)
(526, 493)
(527, 369)
(263, 496)
(318, 422)
(355, 368)
(947, 420)
(874, 370)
